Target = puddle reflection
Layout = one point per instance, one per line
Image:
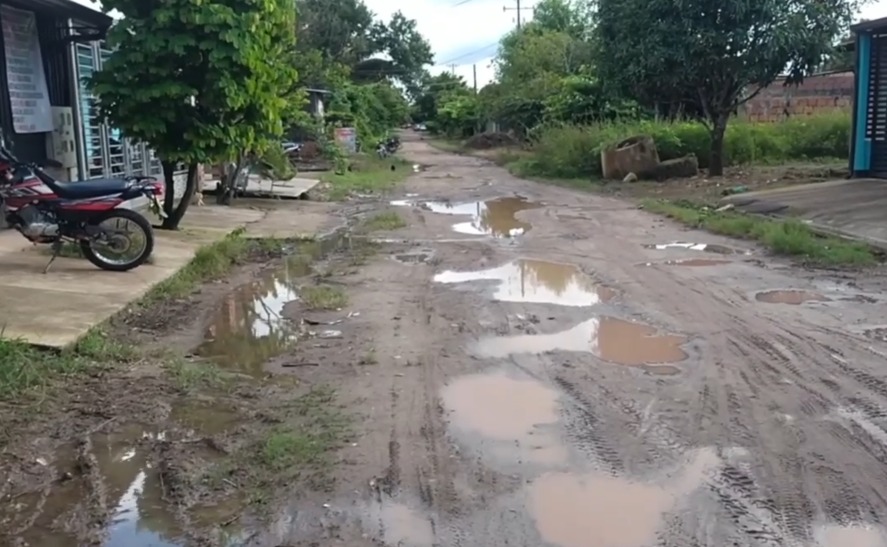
(248, 328)
(535, 281)
(598, 509)
(495, 217)
(610, 339)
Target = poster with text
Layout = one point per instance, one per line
(28, 92)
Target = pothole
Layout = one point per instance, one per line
(790, 297)
(580, 510)
(415, 257)
(495, 217)
(248, 328)
(613, 340)
(535, 281)
(515, 411)
(401, 525)
(707, 247)
(697, 262)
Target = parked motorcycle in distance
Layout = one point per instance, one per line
(91, 213)
(388, 147)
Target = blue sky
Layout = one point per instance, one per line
(466, 34)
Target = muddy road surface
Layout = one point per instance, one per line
(520, 365)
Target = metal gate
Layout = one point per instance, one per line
(107, 152)
(876, 116)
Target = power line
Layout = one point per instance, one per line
(461, 3)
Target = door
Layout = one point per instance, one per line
(876, 116)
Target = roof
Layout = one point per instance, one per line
(867, 26)
(65, 8)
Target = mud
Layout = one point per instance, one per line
(790, 297)
(697, 262)
(535, 281)
(523, 408)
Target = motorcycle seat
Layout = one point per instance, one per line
(92, 188)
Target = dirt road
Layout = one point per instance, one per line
(531, 366)
(574, 385)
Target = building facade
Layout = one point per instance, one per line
(868, 149)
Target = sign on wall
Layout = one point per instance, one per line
(28, 92)
(347, 138)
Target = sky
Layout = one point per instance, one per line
(466, 32)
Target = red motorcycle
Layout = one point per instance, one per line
(93, 213)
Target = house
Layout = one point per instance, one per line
(868, 142)
(49, 48)
(316, 100)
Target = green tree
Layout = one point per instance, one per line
(432, 89)
(200, 80)
(713, 54)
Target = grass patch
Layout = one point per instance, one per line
(368, 175)
(24, 368)
(98, 346)
(190, 375)
(785, 237)
(323, 297)
(389, 220)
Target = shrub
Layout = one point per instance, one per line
(571, 151)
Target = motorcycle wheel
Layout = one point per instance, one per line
(98, 252)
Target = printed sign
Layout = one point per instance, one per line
(347, 138)
(28, 92)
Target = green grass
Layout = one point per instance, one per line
(789, 237)
(313, 427)
(190, 375)
(323, 297)
(25, 368)
(369, 175)
(210, 262)
(98, 346)
(388, 220)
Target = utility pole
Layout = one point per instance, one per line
(453, 69)
(518, 9)
(474, 71)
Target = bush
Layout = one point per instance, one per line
(571, 151)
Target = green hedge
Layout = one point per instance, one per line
(571, 151)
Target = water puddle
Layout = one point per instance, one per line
(495, 217)
(708, 247)
(610, 339)
(697, 262)
(597, 509)
(206, 417)
(248, 328)
(400, 525)
(859, 535)
(515, 411)
(791, 297)
(537, 282)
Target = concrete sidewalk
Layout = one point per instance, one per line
(852, 208)
(58, 308)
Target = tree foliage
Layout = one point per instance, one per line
(713, 55)
(200, 80)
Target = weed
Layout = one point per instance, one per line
(789, 237)
(368, 175)
(24, 367)
(189, 375)
(323, 297)
(98, 346)
(388, 220)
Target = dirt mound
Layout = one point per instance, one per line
(485, 141)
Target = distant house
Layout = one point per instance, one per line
(316, 101)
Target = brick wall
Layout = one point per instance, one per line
(817, 94)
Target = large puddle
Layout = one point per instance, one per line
(248, 328)
(597, 509)
(708, 247)
(517, 411)
(790, 297)
(610, 339)
(535, 281)
(495, 217)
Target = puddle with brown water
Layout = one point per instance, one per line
(402, 526)
(597, 509)
(610, 339)
(537, 282)
(504, 408)
(495, 217)
(697, 262)
(791, 297)
(248, 329)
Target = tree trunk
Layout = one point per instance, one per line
(230, 174)
(716, 162)
(174, 213)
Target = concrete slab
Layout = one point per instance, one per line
(853, 208)
(292, 189)
(58, 308)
